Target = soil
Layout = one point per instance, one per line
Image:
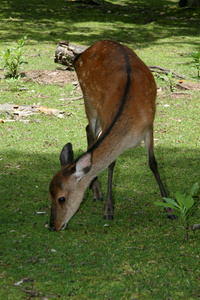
(60, 77)
(192, 86)
(181, 90)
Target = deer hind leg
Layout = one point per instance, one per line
(108, 212)
(94, 185)
(154, 168)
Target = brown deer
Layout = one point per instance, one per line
(119, 94)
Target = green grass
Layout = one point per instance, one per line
(141, 254)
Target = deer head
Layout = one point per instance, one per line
(67, 187)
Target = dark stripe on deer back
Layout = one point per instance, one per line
(123, 101)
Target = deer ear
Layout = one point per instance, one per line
(83, 165)
(66, 155)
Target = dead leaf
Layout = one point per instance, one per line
(49, 111)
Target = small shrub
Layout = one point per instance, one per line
(170, 81)
(196, 60)
(183, 206)
(13, 58)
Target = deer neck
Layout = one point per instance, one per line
(102, 156)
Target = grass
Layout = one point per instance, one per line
(141, 254)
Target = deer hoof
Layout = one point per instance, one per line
(108, 217)
(98, 199)
(172, 217)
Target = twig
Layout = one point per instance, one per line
(134, 248)
(195, 227)
(71, 99)
(182, 87)
(177, 93)
(5, 121)
(33, 293)
(180, 93)
(165, 71)
(75, 98)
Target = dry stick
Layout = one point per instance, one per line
(72, 99)
(183, 87)
(32, 292)
(75, 98)
(195, 227)
(176, 93)
(165, 71)
(179, 93)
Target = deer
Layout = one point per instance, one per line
(119, 94)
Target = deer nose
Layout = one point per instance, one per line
(52, 228)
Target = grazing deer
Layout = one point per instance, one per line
(119, 94)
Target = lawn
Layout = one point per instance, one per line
(140, 254)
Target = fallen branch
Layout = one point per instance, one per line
(66, 52)
(165, 71)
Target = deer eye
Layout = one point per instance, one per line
(61, 200)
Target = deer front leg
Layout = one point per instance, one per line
(109, 209)
(94, 185)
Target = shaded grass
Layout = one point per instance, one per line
(136, 255)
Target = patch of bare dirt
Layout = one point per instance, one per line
(192, 86)
(60, 77)
(184, 90)
(181, 90)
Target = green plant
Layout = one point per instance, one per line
(183, 206)
(196, 60)
(13, 58)
(169, 79)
